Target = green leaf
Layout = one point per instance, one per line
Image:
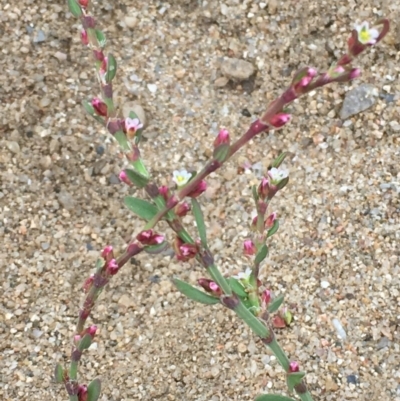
(101, 38)
(85, 342)
(273, 397)
(136, 178)
(275, 304)
(283, 183)
(93, 390)
(293, 379)
(279, 160)
(195, 294)
(273, 229)
(140, 207)
(221, 152)
(120, 137)
(156, 249)
(75, 8)
(140, 167)
(261, 255)
(237, 287)
(59, 374)
(255, 194)
(111, 68)
(201, 227)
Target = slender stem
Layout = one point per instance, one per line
(280, 354)
(253, 322)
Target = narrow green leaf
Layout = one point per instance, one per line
(195, 294)
(59, 373)
(101, 38)
(292, 379)
(261, 255)
(140, 207)
(255, 194)
(221, 152)
(140, 167)
(283, 183)
(156, 249)
(275, 304)
(273, 397)
(237, 287)
(273, 229)
(100, 262)
(136, 178)
(111, 68)
(279, 160)
(93, 390)
(201, 227)
(120, 137)
(75, 8)
(85, 342)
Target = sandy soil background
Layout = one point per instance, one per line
(335, 256)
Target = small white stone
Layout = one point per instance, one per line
(339, 328)
(325, 284)
(152, 88)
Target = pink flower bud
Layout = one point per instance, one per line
(91, 330)
(201, 187)
(263, 188)
(307, 76)
(112, 267)
(222, 138)
(84, 37)
(107, 253)
(249, 247)
(354, 73)
(294, 367)
(182, 209)
(148, 237)
(164, 192)
(98, 55)
(88, 283)
(269, 222)
(77, 338)
(103, 67)
(210, 286)
(82, 392)
(124, 178)
(84, 3)
(100, 107)
(279, 120)
(266, 297)
(183, 251)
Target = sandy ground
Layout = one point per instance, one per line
(61, 202)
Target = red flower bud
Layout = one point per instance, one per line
(266, 297)
(294, 367)
(84, 37)
(98, 55)
(82, 392)
(84, 3)
(269, 222)
(182, 209)
(112, 267)
(164, 192)
(222, 138)
(91, 331)
(279, 120)
(148, 237)
(100, 107)
(88, 283)
(210, 286)
(249, 247)
(184, 251)
(201, 187)
(107, 253)
(124, 178)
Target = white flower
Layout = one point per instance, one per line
(366, 36)
(243, 275)
(277, 174)
(181, 177)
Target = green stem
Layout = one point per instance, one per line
(254, 323)
(73, 398)
(280, 354)
(73, 370)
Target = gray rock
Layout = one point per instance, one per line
(358, 99)
(383, 343)
(40, 37)
(236, 69)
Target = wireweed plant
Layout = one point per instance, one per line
(244, 294)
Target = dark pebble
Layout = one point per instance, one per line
(100, 150)
(352, 379)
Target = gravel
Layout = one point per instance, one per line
(58, 205)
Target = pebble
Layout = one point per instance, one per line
(40, 37)
(339, 328)
(352, 379)
(152, 88)
(66, 200)
(221, 82)
(358, 99)
(237, 69)
(13, 146)
(383, 343)
(130, 22)
(325, 284)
